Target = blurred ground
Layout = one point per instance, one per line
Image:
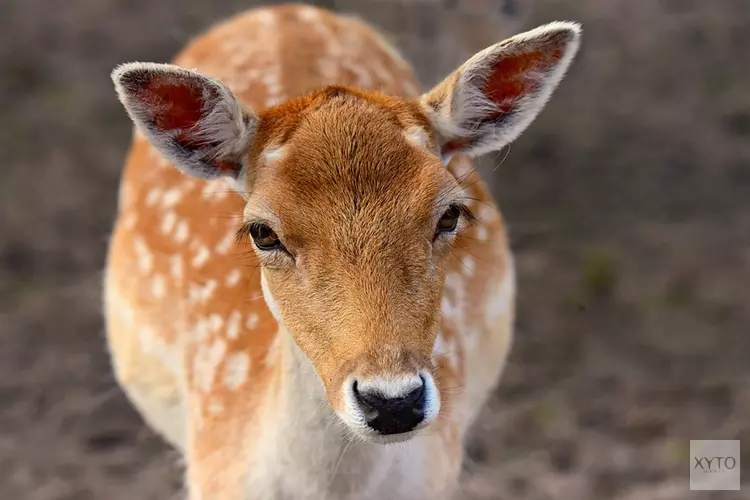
(629, 206)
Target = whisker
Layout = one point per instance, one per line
(338, 463)
(507, 153)
(465, 249)
(254, 298)
(453, 254)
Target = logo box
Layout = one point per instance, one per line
(714, 465)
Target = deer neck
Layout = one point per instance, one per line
(305, 451)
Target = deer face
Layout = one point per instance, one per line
(349, 206)
(352, 227)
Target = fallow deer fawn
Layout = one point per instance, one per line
(354, 287)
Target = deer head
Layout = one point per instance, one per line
(350, 208)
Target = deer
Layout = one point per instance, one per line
(309, 290)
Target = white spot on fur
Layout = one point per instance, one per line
(123, 310)
(252, 321)
(447, 309)
(158, 286)
(233, 325)
(168, 221)
(163, 163)
(143, 255)
(214, 191)
(215, 322)
(182, 232)
(153, 344)
(226, 243)
(153, 196)
(274, 101)
(130, 220)
(468, 265)
(206, 361)
(308, 13)
(233, 278)
(201, 293)
(147, 339)
(200, 330)
(188, 184)
(266, 18)
(171, 198)
(270, 79)
(215, 407)
(175, 267)
(482, 232)
(201, 257)
(236, 58)
(236, 370)
(499, 302)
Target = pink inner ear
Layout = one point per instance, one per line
(175, 105)
(517, 75)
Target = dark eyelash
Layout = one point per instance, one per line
(243, 233)
(466, 213)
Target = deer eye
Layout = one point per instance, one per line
(449, 221)
(264, 237)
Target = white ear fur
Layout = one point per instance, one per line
(522, 73)
(192, 119)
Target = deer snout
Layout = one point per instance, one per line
(388, 406)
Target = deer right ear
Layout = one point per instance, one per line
(192, 119)
(495, 95)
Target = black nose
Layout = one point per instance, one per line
(392, 415)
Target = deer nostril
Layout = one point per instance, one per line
(417, 395)
(367, 406)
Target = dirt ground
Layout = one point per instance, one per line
(629, 207)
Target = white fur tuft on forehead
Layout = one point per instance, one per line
(493, 97)
(418, 137)
(192, 119)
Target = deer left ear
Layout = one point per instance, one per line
(193, 120)
(492, 98)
